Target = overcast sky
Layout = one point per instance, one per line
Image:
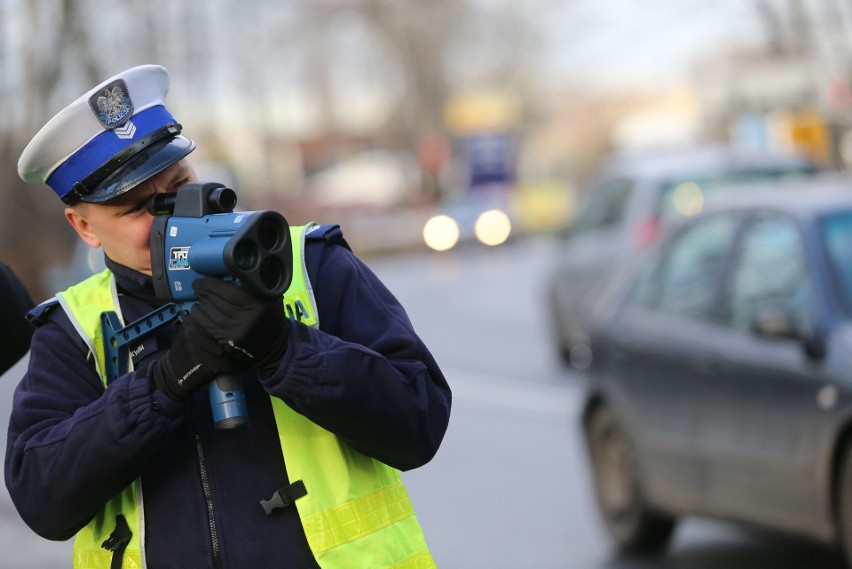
(612, 41)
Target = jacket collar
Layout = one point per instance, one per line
(133, 283)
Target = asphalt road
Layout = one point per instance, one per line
(510, 487)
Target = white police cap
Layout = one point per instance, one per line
(108, 141)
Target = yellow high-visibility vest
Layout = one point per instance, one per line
(356, 512)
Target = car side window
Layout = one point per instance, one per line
(770, 268)
(837, 235)
(605, 205)
(686, 278)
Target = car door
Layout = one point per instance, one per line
(761, 407)
(654, 353)
(592, 249)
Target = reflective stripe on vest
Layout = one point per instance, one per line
(356, 513)
(83, 303)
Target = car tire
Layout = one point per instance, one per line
(844, 501)
(633, 526)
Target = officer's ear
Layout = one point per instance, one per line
(76, 216)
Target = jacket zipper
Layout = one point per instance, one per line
(208, 496)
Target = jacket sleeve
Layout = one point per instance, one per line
(365, 375)
(16, 331)
(72, 445)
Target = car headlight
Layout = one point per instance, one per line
(492, 227)
(441, 233)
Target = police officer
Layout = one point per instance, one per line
(340, 399)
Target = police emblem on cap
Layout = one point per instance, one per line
(112, 104)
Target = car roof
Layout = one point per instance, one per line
(806, 197)
(698, 160)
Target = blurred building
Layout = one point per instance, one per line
(786, 102)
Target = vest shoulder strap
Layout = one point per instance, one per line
(40, 314)
(83, 304)
(330, 233)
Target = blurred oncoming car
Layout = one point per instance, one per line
(721, 383)
(482, 216)
(626, 207)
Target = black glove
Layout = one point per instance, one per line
(194, 359)
(250, 326)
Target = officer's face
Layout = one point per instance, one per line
(122, 226)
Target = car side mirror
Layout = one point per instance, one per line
(778, 320)
(774, 320)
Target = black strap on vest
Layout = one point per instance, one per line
(284, 497)
(117, 541)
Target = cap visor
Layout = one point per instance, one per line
(143, 165)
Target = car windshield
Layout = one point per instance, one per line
(837, 236)
(687, 197)
(604, 207)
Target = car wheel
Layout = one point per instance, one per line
(844, 513)
(633, 526)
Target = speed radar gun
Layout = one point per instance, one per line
(196, 232)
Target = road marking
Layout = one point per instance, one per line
(507, 393)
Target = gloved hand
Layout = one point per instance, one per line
(193, 360)
(249, 326)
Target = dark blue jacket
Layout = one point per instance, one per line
(15, 332)
(364, 375)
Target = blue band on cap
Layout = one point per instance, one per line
(104, 146)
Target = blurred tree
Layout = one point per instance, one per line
(32, 233)
(774, 25)
(818, 30)
(801, 36)
(417, 36)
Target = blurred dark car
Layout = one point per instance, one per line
(626, 207)
(721, 383)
